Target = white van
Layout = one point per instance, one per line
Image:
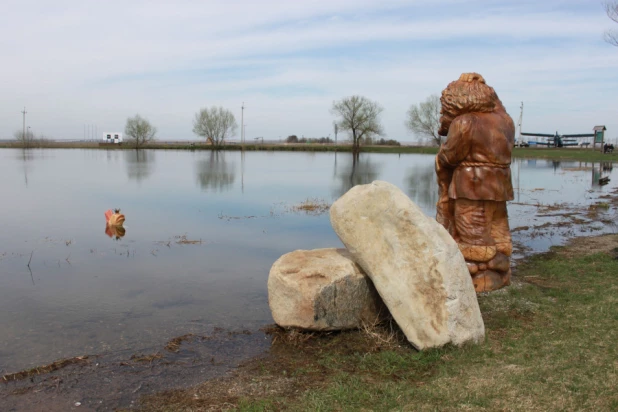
(112, 138)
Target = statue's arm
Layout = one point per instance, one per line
(458, 142)
(444, 214)
(452, 152)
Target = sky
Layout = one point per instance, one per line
(92, 64)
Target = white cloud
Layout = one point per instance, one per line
(73, 62)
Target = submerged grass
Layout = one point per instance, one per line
(550, 345)
(174, 344)
(40, 370)
(310, 206)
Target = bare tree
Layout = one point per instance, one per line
(359, 116)
(424, 119)
(139, 131)
(26, 139)
(215, 124)
(611, 8)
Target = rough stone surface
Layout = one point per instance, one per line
(321, 290)
(414, 263)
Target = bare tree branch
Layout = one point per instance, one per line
(215, 124)
(139, 131)
(424, 119)
(611, 36)
(25, 140)
(359, 116)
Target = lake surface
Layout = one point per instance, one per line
(87, 293)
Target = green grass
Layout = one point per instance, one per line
(550, 346)
(565, 154)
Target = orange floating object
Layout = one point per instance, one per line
(114, 218)
(114, 221)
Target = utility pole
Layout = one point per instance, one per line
(24, 129)
(521, 117)
(242, 123)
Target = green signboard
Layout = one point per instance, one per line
(598, 137)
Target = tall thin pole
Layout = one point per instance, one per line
(242, 123)
(521, 118)
(24, 129)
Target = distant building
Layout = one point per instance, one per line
(114, 137)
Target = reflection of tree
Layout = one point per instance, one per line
(26, 156)
(358, 170)
(140, 163)
(215, 173)
(423, 186)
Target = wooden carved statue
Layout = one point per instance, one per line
(474, 178)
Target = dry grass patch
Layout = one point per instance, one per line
(174, 344)
(311, 207)
(588, 245)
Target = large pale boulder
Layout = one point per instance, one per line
(321, 290)
(414, 263)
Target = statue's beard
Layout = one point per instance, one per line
(445, 124)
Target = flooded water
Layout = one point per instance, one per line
(202, 231)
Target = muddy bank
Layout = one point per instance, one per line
(111, 381)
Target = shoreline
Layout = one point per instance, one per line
(289, 366)
(575, 154)
(186, 375)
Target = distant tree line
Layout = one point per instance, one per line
(294, 139)
(366, 141)
(356, 115)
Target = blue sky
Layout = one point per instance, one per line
(90, 62)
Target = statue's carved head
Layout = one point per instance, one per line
(468, 94)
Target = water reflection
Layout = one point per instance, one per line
(26, 156)
(140, 164)
(115, 232)
(215, 173)
(356, 170)
(601, 172)
(112, 155)
(422, 184)
(92, 295)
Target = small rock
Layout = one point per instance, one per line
(321, 290)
